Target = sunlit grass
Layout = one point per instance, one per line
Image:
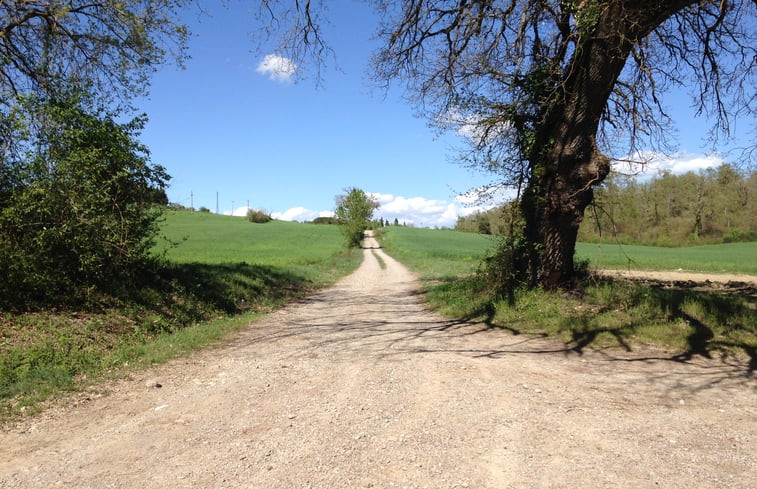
(440, 252)
(720, 258)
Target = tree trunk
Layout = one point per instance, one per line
(565, 161)
(553, 207)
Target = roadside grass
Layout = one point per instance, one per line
(606, 313)
(225, 273)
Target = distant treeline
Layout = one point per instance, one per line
(713, 206)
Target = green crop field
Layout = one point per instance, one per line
(307, 250)
(720, 258)
(437, 252)
(442, 253)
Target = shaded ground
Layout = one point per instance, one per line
(361, 386)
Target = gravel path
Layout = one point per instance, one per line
(361, 386)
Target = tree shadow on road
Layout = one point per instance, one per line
(392, 326)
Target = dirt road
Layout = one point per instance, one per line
(360, 386)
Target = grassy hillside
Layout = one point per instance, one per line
(605, 312)
(307, 250)
(437, 253)
(224, 272)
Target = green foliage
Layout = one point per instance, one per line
(324, 220)
(498, 220)
(505, 270)
(108, 48)
(353, 213)
(258, 216)
(713, 206)
(78, 210)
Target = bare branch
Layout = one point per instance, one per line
(111, 47)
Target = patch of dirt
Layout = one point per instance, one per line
(361, 386)
(714, 282)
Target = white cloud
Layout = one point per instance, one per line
(277, 68)
(645, 165)
(300, 214)
(238, 212)
(413, 211)
(422, 212)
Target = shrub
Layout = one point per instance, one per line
(258, 216)
(77, 205)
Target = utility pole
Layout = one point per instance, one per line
(192, 201)
(216, 201)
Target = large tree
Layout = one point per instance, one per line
(551, 91)
(100, 53)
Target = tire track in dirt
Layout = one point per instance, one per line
(361, 386)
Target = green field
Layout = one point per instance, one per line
(223, 274)
(720, 258)
(306, 250)
(448, 253)
(605, 312)
(437, 253)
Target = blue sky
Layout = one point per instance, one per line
(228, 124)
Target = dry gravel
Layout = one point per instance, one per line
(361, 386)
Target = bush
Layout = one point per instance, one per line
(506, 269)
(77, 206)
(258, 216)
